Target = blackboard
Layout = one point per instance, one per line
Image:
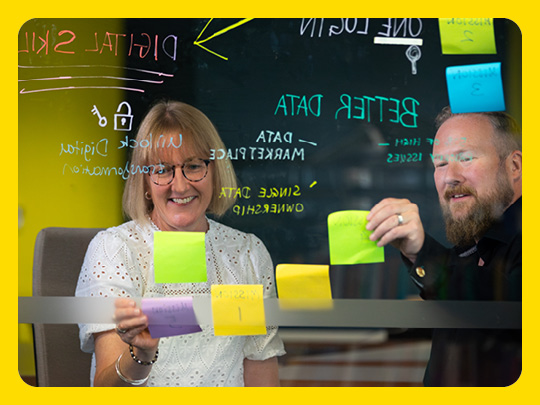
(316, 117)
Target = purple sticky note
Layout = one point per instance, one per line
(170, 316)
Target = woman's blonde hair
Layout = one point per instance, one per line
(195, 130)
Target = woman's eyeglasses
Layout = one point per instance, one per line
(193, 170)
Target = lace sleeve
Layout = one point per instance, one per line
(109, 270)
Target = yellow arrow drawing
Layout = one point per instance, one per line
(223, 31)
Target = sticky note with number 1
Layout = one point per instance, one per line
(238, 309)
(349, 240)
(179, 257)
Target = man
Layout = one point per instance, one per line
(478, 176)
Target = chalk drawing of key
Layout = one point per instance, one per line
(102, 119)
(413, 53)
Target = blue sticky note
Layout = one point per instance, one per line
(475, 88)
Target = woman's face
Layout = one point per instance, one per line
(182, 204)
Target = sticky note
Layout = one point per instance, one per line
(170, 316)
(475, 88)
(179, 257)
(461, 36)
(238, 309)
(349, 241)
(304, 286)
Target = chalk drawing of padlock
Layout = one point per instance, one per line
(123, 122)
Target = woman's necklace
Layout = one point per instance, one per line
(154, 226)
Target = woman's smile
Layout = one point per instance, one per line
(183, 201)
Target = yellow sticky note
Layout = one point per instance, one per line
(179, 257)
(238, 309)
(348, 239)
(467, 36)
(304, 286)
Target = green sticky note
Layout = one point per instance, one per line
(179, 257)
(467, 36)
(349, 241)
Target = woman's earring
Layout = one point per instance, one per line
(147, 196)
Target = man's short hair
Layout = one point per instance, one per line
(506, 128)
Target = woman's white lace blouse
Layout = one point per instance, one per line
(119, 263)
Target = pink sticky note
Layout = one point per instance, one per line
(170, 316)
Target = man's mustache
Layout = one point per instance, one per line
(458, 190)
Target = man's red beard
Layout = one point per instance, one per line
(482, 214)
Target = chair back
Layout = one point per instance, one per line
(58, 257)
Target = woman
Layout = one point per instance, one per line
(172, 186)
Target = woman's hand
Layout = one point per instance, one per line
(111, 350)
(132, 326)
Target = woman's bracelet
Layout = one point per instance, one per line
(124, 378)
(141, 362)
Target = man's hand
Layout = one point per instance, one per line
(397, 221)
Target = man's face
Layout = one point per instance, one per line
(473, 184)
